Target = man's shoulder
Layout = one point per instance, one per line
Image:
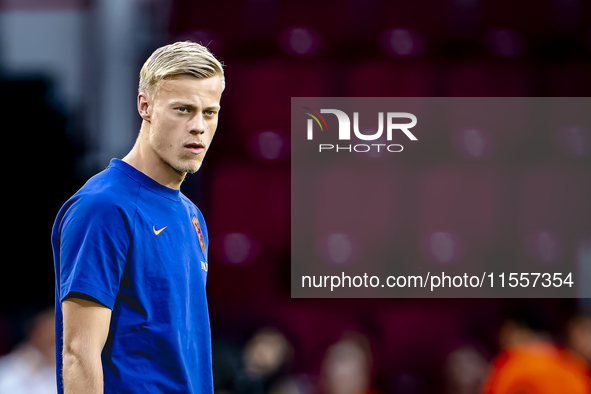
(187, 201)
(192, 207)
(108, 190)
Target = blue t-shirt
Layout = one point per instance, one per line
(140, 249)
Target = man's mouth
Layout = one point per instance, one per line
(195, 148)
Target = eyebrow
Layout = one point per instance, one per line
(185, 104)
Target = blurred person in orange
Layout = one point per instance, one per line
(530, 362)
(347, 367)
(30, 367)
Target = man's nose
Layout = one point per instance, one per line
(198, 124)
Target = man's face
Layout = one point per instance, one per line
(183, 117)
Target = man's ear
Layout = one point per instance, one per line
(144, 106)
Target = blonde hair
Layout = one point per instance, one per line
(183, 57)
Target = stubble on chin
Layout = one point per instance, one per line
(189, 170)
(183, 166)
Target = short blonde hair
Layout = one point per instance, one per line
(183, 57)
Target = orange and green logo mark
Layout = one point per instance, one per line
(316, 118)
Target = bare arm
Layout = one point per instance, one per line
(86, 326)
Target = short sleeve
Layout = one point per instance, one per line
(94, 241)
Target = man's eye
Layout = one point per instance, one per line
(209, 113)
(183, 109)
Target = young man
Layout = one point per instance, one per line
(130, 249)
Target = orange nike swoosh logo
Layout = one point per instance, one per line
(158, 231)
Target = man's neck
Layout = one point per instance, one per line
(147, 162)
